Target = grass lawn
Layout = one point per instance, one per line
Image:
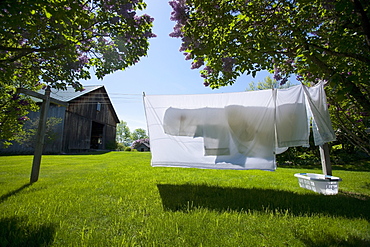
(118, 199)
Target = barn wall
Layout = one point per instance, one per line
(50, 147)
(56, 146)
(81, 113)
(77, 132)
(110, 134)
(74, 132)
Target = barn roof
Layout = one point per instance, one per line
(68, 94)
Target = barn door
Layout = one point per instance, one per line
(97, 133)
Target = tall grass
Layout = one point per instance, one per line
(117, 199)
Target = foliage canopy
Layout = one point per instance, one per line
(319, 39)
(315, 40)
(139, 134)
(58, 43)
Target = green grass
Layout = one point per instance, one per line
(117, 199)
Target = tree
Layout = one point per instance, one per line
(268, 83)
(319, 39)
(351, 125)
(139, 134)
(13, 111)
(123, 134)
(57, 43)
(28, 137)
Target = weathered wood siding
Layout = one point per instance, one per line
(56, 145)
(77, 133)
(51, 146)
(74, 133)
(81, 112)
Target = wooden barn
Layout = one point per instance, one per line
(87, 123)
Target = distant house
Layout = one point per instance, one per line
(143, 147)
(87, 123)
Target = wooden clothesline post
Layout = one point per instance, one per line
(325, 159)
(40, 137)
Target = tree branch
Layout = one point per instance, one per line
(364, 19)
(355, 90)
(24, 51)
(339, 54)
(351, 137)
(15, 58)
(30, 50)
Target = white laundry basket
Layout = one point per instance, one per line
(323, 184)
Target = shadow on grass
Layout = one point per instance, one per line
(15, 231)
(90, 152)
(14, 192)
(191, 196)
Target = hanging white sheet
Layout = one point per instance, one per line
(233, 130)
(321, 124)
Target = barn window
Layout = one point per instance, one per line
(98, 106)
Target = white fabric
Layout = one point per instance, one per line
(321, 124)
(292, 126)
(234, 130)
(209, 123)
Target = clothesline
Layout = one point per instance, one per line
(235, 130)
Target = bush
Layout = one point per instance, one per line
(120, 147)
(111, 145)
(128, 149)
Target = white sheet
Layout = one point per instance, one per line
(233, 130)
(321, 126)
(292, 125)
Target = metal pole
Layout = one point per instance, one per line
(40, 137)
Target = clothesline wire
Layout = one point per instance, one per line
(126, 94)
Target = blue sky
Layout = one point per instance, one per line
(163, 71)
